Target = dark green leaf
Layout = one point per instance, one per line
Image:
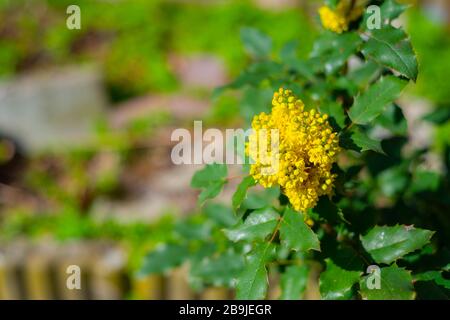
(241, 191)
(337, 283)
(220, 214)
(366, 73)
(393, 181)
(296, 234)
(293, 282)
(391, 9)
(424, 180)
(395, 284)
(393, 120)
(387, 244)
(364, 142)
(336, 112)
(391, 47)
(258, 225)
(211, 179)
(435, 276)
(331, 51)
(253, 283)
(372, 102)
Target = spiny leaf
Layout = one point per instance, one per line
(395, 284)
(435, 276)
(364, 142)
(387, 244)
(331, 50)
(258, 225)
(371, 103)
(252, 283)
(391, 9)
(391, 47)
(211, 180)
(241, 191)
(296, 234)
(336, 283)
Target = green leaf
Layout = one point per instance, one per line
(165, 257)
(364, 142)
(391, 9)
(372, 102)
(256, 43)
(293, 282)
(438, 116)
(257, 199)
(394, 120)
(424, 180)
(435, 276)
(395, 284)
(211, 179)
(387, 244)
(258, 225)
(296, 234)
(336, 112)
(391, 47)
(190, 230)
(222, 270)
(253, 283)
(220, 214)
(393, 181)
(331, 50)
(241, 191)
(336, 283)
(366, 73)
(255, 101)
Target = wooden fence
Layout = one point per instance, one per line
(38, 271)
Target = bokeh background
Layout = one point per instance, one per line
(86, 117)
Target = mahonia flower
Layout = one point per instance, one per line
(339, 19)
(306, 150)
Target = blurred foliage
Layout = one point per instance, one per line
(70, 224)
(133, 39)
(431, 41)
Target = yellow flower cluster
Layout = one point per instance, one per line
(339, 19)
(305, 150)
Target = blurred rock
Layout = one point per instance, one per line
(52, 109)
(199, 71)
(277, 4)
(181, 107)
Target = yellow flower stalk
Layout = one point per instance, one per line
(339, 19)
(306, 150)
